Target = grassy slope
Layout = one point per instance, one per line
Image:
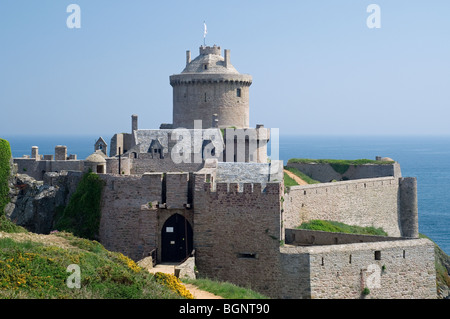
(336, 227)
(442, 263)
(225, 289)
(31, 269)
(300, 174)
(336, 161)
(340, 166)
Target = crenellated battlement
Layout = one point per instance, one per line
(210, 50)
(202, 78)
(244, 188)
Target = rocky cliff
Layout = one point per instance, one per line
(34, 204)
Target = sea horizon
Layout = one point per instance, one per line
(422, 156)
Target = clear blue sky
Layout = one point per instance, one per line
(317, 68)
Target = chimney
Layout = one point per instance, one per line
(227, 58)
(134, 123)
(188, 57)
(35, 152)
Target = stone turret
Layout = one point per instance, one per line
(210, 85)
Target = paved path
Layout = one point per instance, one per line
(197, 293)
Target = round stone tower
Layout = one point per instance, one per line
(212, 90)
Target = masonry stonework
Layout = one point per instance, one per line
(235, 211)
(237, 233)
(363, 202)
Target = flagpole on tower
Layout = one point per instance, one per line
(205, 31)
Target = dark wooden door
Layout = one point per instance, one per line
(176, 239)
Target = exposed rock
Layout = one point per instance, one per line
(33, 204)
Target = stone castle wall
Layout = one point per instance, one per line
(401, 269)
(143, 165)
(363, 202)
(128, 224)
(38, 168)
(238, 232)
(131, 219)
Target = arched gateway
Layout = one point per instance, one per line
(176, 239)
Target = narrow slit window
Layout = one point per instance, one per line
(247, 255)
(238, 93)
(377, 255)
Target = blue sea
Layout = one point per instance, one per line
(426, 158)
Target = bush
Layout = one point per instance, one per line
(5, 170)
(174, 284)
(8, 226)
(82, 215)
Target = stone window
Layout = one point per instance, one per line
(205, 66)
(248, 255)
(238, 92)
(377, 255)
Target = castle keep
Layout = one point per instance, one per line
(201, 189)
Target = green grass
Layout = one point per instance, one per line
(302, 175)
(33, 270)
(224, 289)
(340, 166)
(442, 264)
(336, 227)
(9, 227)
(289, 181)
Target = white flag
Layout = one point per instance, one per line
(205, 30)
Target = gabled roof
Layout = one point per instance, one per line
(101, 140)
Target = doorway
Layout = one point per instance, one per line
(176, 239)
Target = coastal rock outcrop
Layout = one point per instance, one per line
(33, 204)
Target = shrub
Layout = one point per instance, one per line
(82, 215)
(174, 284)
(5, 170)
(8, 226)
(366, 291)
